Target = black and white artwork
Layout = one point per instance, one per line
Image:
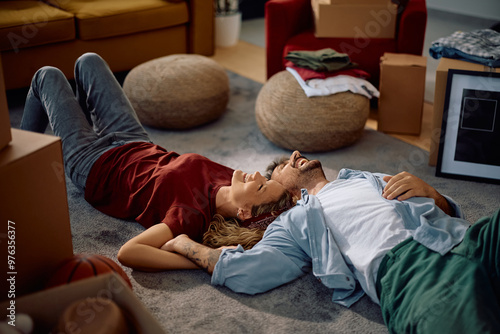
(470, 142)
(478, 136)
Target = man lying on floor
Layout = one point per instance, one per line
(394, 238)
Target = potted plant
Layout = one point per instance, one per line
(227, 22)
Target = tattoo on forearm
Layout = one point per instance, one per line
(206, 258)
(213, 258)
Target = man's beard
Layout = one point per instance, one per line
(311, 174)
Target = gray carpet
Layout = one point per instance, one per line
(185, 302)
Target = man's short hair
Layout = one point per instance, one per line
(275, 163)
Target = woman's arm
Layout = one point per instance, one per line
(144, 251)
(252, 271)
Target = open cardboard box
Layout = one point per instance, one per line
(45, 307)
(354, 19)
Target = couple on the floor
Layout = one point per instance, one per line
(394, 238)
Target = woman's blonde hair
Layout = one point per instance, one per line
(222, 232)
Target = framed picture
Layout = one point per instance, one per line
(469, 146)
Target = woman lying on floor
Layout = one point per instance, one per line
(109, 156)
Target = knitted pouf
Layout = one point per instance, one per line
(290, 119)
(178, 91)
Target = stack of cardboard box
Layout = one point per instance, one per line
(355, 18)
(35, 234)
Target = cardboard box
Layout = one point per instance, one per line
(45, 307)
(355, 19)
(35, 234)
(5, 134)
(439, 97)
(402, 88)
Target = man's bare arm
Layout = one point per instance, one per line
(203, 256)
(405, 185)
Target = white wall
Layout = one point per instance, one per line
(488, 9)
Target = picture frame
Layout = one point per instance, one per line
(469, 146)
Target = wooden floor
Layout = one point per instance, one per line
(248, 60)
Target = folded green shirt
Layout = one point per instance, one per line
(324, 60)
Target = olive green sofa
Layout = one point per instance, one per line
(124, 32)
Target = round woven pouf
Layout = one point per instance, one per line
(290, 119)
(178, 91)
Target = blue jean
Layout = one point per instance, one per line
(99, 118)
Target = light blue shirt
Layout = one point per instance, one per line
(310, 238)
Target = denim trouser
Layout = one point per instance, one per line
(98, 118)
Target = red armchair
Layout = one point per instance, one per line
(290, 27)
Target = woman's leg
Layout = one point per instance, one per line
(34, 116)
(101, 96)
(51, 99)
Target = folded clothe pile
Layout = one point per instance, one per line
(479, 46)
(326, 72)
(324, 60)
(307, 74)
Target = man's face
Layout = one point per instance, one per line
(297, 172)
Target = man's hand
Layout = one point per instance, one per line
(203, 256)
(405, 185)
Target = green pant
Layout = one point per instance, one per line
(423, 292)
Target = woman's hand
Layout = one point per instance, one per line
(145, 251)
(169, 246)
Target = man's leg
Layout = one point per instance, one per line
(101, 96)
(482, 244)
(424, 292)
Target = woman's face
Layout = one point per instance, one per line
(249, 190)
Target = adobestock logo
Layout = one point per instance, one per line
(38, 19)
(373, 28)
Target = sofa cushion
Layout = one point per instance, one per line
(29, 23)
(108, 18)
